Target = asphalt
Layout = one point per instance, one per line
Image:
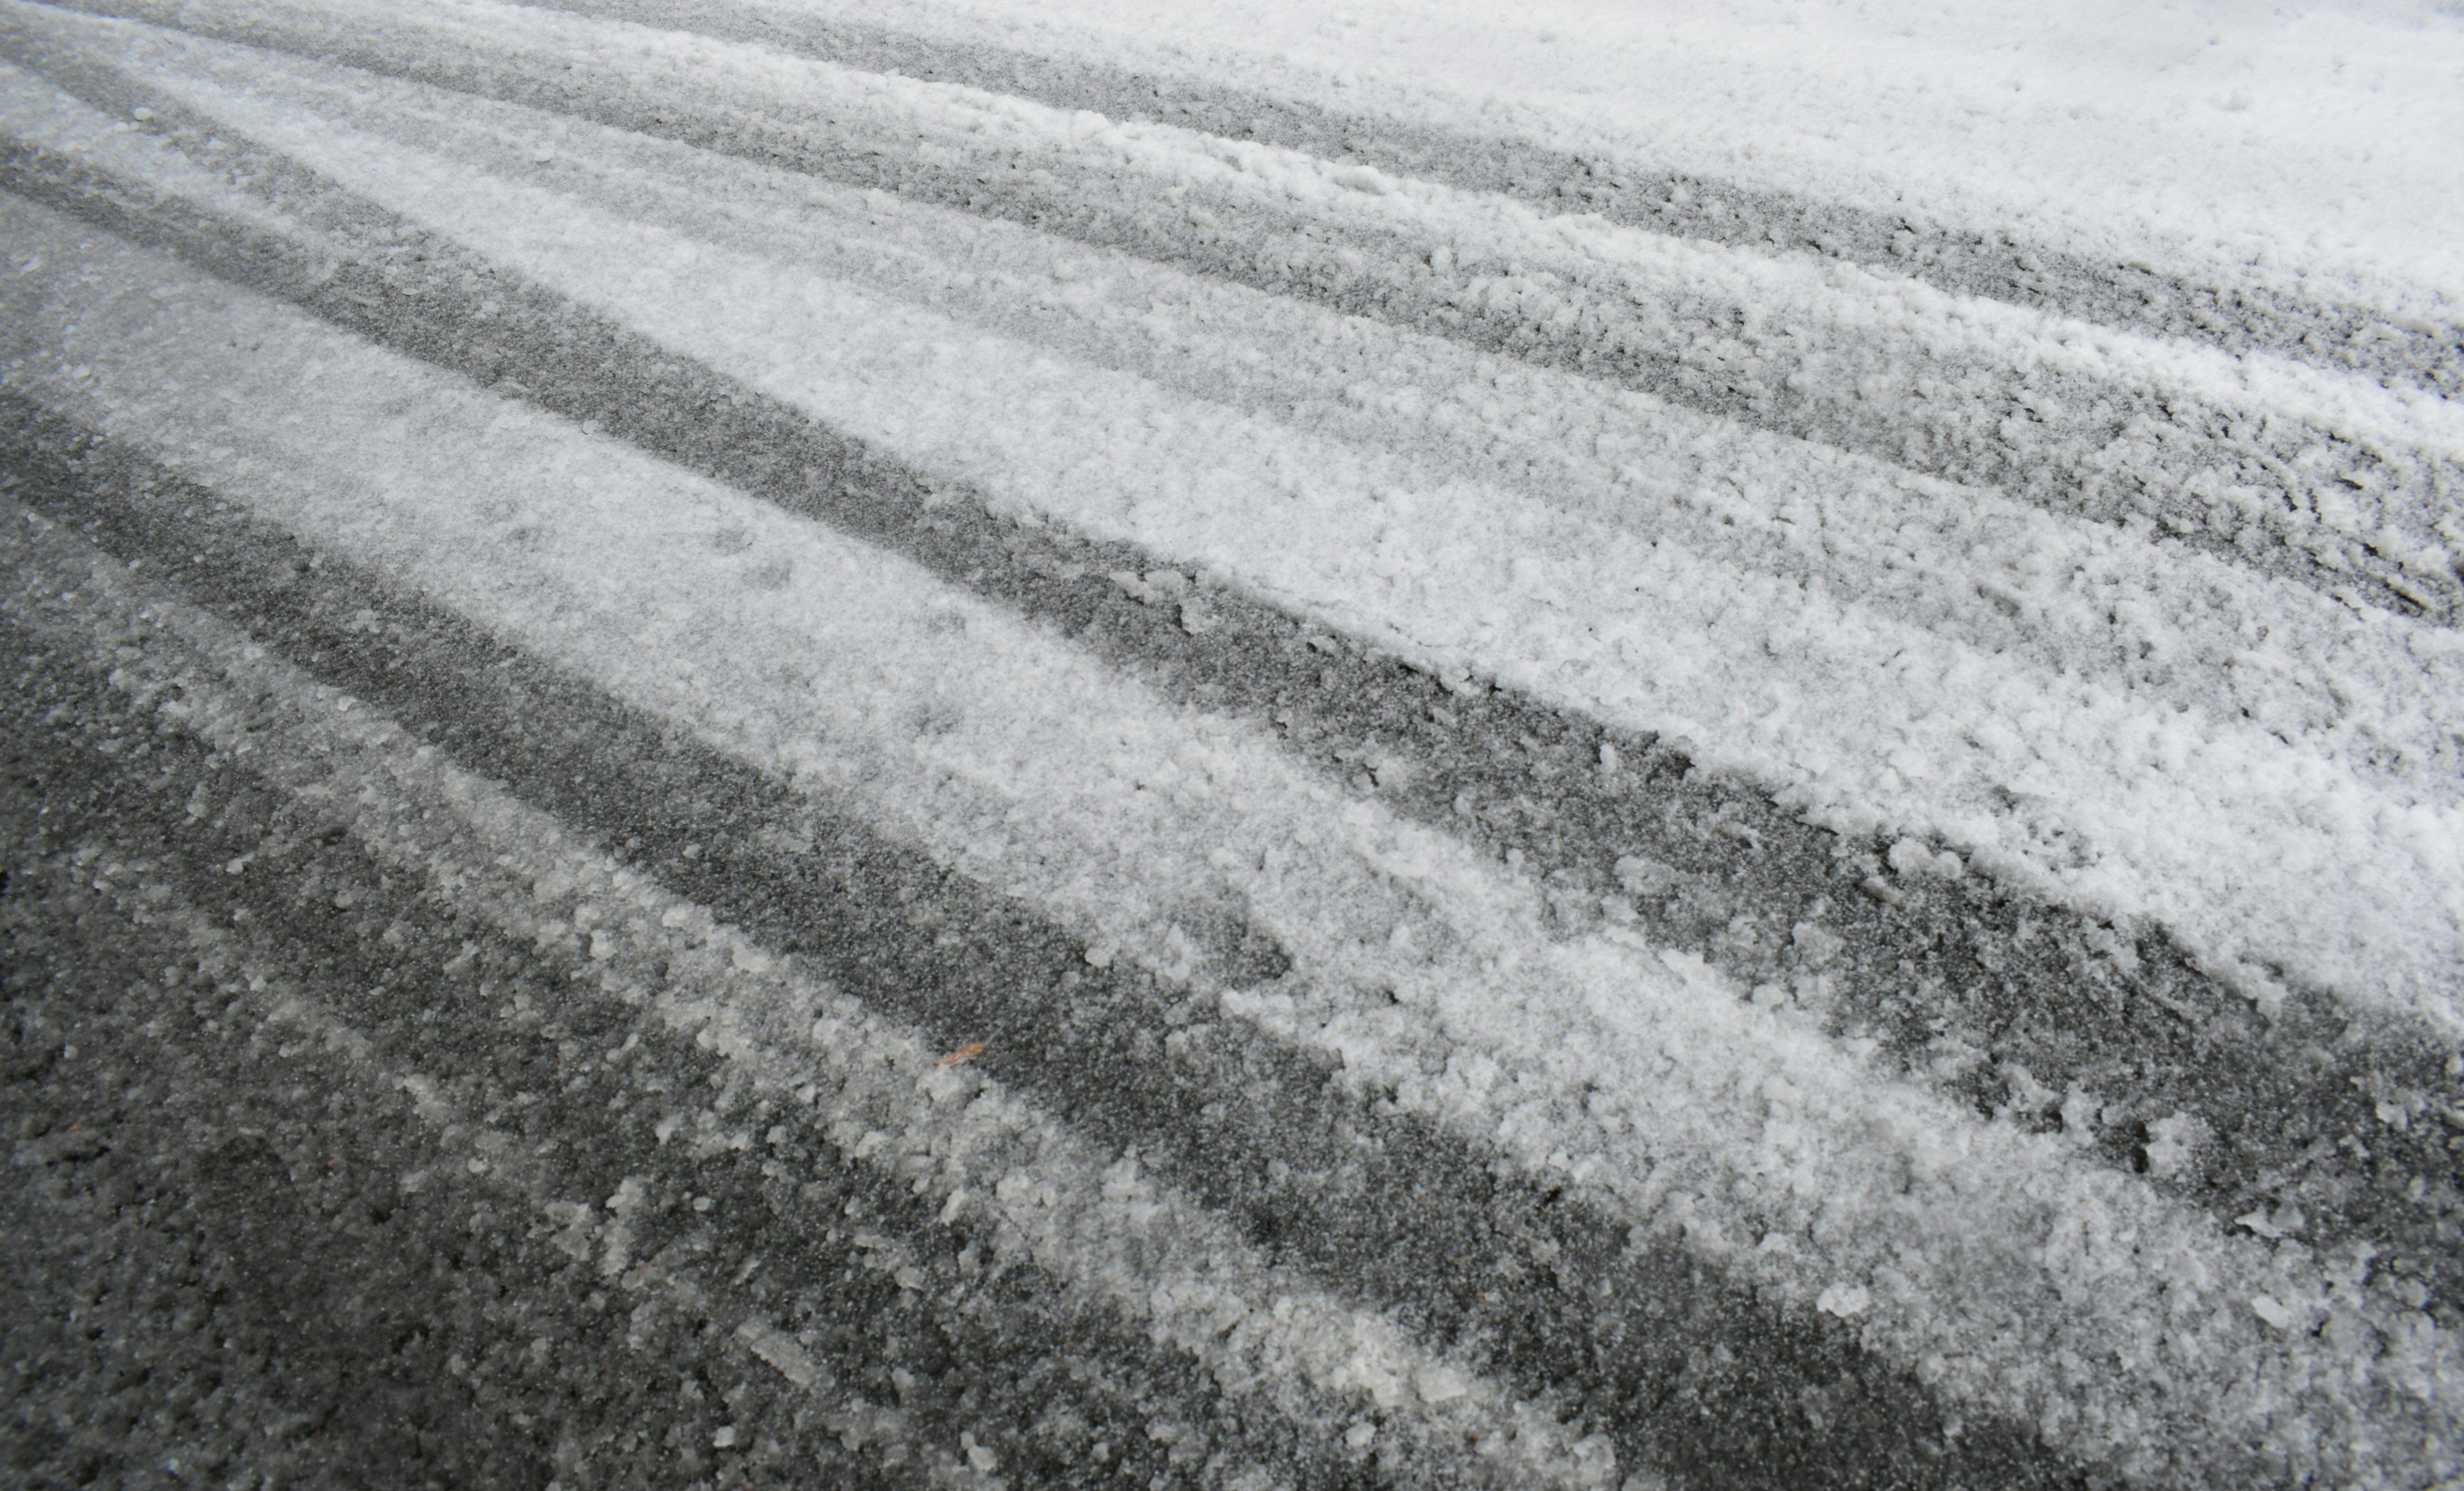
(355, 1141)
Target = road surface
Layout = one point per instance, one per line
(769, 741)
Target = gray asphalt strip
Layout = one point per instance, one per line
(161, 1322)
(405, 1328)
(2017, 1004)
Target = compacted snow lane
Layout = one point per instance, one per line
(755, 741)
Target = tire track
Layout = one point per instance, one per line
(989, 774)
(2038, 785)
(643, 522)
(1424, 413)
(2045, 802)
(1986, 1004)
(467, 1017)
(1319, 1175)
(638, 1388)
(2236, 318)
(2345, 497)
(163, 1323)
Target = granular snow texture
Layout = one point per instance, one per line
(1615, 747)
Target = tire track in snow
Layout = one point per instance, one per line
(527, 1274)
(163, 1317)
(2337, 335)
(219, 845)
(2051, 769)
(2115, 1291)
(2049, 772)
(1321, 1176)
(1992, 1014)
(954, 1195)
(2310, 478)
(1435, 414)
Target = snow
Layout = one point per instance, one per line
(1058, 781)
(2207, 818)
(1111, 1232)
(2182, 717)
(2208, 133)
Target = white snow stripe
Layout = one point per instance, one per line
(35, 111)
(1885, 319)
(1115, 1234)
(1979, 1254)
(1976, 383)
(2251, 848)
(2300, 151)
(2225, 305)
(1967, 564)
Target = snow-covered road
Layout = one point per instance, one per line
(793, 741)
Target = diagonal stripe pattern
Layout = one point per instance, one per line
(1246, 791)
